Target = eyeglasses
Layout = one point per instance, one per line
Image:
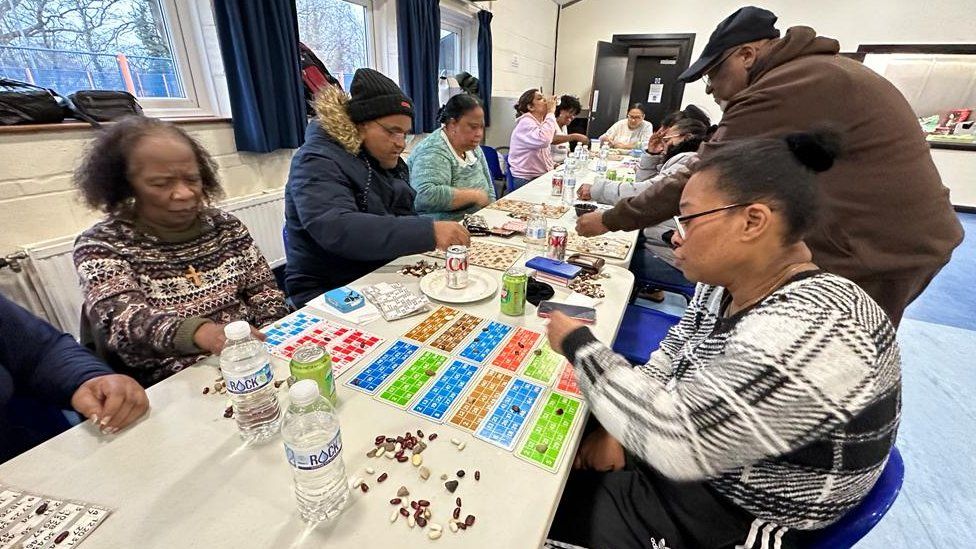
(714, 68)
(680, 221)
(394, 133)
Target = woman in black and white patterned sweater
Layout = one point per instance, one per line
(164, 271)
(770, 409)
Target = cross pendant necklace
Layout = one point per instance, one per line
(193, 276)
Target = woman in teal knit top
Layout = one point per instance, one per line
(447, 168)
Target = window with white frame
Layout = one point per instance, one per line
(131, 45)
(450, 54)
(338, 31)
(459, 35)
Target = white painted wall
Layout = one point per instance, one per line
(852, 23)
(523, 34)
(38, 202)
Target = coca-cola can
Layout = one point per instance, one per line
(557, 243)
(456, 263)
(557, 184)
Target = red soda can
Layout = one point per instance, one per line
(557, 243)
(557, 184)
(456, 262)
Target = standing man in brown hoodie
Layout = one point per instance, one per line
(887, 223)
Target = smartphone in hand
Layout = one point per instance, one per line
(578, 312)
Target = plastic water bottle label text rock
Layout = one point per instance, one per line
(309, 459)
(250, 383)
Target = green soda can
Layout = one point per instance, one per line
(513, 291)
(310, 361)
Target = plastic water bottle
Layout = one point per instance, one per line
(569, 190)
(536, 229)
(601, 164)
(247, 372)
(313, 446)
(569, 165)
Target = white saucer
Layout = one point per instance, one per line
(480, 286)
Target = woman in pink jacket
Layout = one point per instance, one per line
(529, 155)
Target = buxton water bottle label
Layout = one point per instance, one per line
(309, 459)
(250, 383)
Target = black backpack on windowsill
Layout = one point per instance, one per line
(95, 106)
(24, 103)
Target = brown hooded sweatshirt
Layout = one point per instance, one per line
(886, 221)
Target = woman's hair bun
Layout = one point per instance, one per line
(816, 150)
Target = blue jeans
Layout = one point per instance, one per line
(519, 182)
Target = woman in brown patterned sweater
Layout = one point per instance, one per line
(164, 272)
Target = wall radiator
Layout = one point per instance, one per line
(51, 273)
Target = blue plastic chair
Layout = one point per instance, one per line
(686, 291)
(641, 332)
(494, 166)
(856, 524)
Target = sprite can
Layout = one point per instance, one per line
(309, 361)
(514, 282)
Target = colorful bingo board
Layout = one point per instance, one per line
(503, 425)
(430, 325)
(345, 345)
(544, 364)
(476, 404)
(455, 333)
(377, 372)
(288, 327)
(546, 440)
(435, 403)
(485, 342)
(567, 380)
(405, 386)
(518, 347)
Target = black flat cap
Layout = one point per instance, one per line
(747, 24)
